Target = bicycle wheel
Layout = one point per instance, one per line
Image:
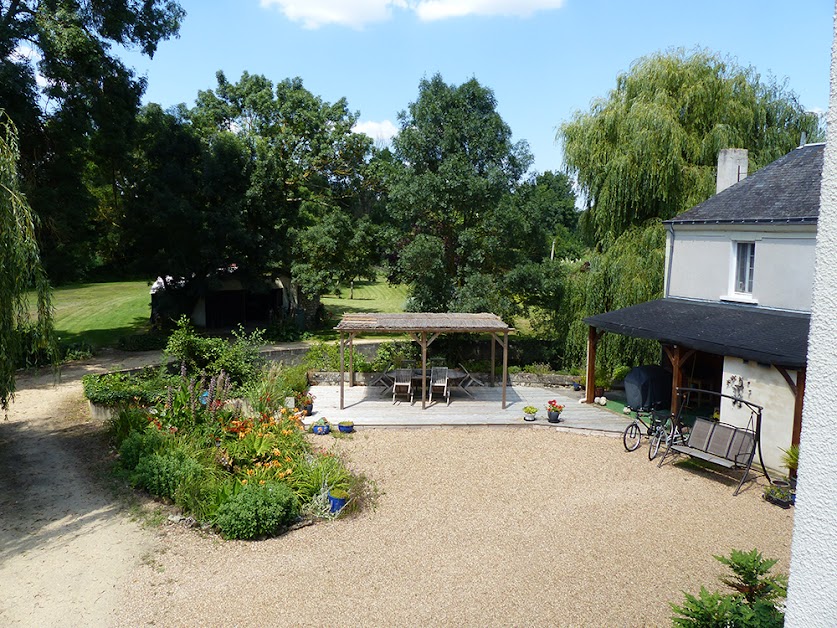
(632, 437)
(654, 444)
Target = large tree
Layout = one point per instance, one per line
(649, 148)
(20, 271)
(455, 163)
(75, 103)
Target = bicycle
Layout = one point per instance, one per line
(634, 432)
(666, 432)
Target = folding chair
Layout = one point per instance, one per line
(469, 379)
(439, 382)
(403, 383)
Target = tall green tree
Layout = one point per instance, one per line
(649, 148)
(455, 162)
(20, 271)
(75, 104)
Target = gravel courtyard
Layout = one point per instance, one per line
(473, 526)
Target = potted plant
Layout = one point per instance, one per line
(553, 411)
(337, 499)
(305, 402)
(529, 413)
(778, 493)
(321, 426)
(346, 427)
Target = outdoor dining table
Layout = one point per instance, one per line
(455, 379)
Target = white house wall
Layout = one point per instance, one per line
(765, 386)
(701, 264)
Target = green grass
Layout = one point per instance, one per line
(377, 296)
(100, 313)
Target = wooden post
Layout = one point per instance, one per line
(677, 357)
(801, 374)
(341, 370)
(592, 340)
(505, 364)
(351, 359)
(494, 340)
(423, 370)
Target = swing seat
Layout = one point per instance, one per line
(721, 444)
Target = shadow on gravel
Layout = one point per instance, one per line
(49, 489)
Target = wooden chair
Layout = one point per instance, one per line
(403, 383)
(439, 382)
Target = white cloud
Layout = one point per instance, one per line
(429, 10)
(358, 13)
(378, 131)
(354, 13)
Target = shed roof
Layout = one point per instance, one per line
(423, 322)
(743, 331)
(785, 191)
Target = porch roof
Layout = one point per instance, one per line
(423, 322)
(742, 331)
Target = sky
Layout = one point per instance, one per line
(543, 59)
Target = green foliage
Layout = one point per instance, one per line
(395, 354)
(20, 270)
(126, 421)
(142, 342)
(266, 394)
(649, 149)
(324, 356)
(114, 389)
(161, 474)
(790, 458)
(756, 602)
(325, 471)
(454, 165)
(257, 510)
(620, 372)
(139, 444)
(239, 359)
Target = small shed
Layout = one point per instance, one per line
(424, 328)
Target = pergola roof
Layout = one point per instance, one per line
(423, 322)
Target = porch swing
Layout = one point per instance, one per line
(719, 443)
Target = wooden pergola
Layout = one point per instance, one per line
(423, 328)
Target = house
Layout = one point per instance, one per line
(737, 297)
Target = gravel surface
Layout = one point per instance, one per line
(473, 527)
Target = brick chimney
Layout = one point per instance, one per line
(732, 167)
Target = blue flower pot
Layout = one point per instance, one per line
(553, 417)
(346, 429)
(336, 504)
(320, 429)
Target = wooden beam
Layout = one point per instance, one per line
(341, 370)
(677, 356)
(433, 337)
(788, 378)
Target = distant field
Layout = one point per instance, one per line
(100, 313)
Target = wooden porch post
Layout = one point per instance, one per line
(592, 341)
(505, 364)
(351, 359)
(677, 357)
(494, 340)
(801, 374)
(341, 370)
(423, 370)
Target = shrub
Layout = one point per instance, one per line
(138, 445)
(162, 473)
(619, 373)
(114, 389)
(126, 421)
(256, 510)
(326, 357)
(755, 603)
(537, 368)
(325, 471)
(394, 353)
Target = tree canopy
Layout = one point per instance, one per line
(649, 148)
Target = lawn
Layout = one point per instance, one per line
(377, 296)
(99, 313)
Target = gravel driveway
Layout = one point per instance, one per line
(474, 527)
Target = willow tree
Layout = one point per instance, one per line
(649, 149)
(20, 270)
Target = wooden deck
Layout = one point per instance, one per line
(366, 406)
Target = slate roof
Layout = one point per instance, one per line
(742, 331)
(785, 191)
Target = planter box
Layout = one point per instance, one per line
(101, 413)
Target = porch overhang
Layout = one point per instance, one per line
(749, 332)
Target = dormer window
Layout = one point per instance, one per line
(745, 262)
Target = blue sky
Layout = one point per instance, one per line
(544, 59)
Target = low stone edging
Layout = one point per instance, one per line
(332, 378)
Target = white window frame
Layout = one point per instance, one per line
(735, 291)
